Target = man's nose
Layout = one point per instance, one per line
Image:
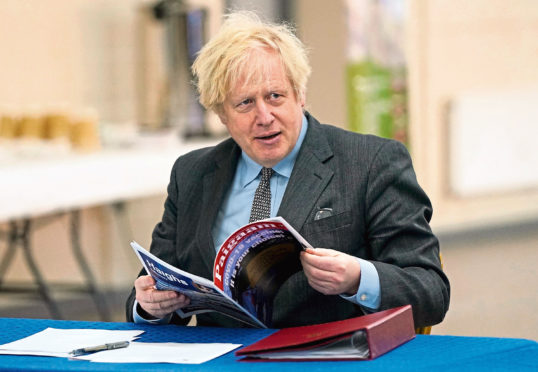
(264, 113)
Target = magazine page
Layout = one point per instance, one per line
(204, 295)
(254, 262)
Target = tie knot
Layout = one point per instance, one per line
(267, 173)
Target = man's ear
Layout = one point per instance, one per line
(302, 98)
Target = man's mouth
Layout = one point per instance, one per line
(268, 137)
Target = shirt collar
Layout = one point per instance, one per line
(249, 169)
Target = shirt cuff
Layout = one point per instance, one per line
(138, 319)
(369, 294)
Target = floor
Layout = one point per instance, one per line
(494, 282)
(492, 273)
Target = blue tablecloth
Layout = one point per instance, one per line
(424, 353)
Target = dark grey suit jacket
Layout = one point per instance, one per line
(380, 213)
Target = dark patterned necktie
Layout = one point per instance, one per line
(261, 206)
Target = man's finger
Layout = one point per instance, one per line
(156, 295)
(322, 252)
(164, 305)
(323, 261)
(144, 282)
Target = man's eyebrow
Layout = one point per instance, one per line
(240, 98)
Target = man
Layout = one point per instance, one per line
(354, 196)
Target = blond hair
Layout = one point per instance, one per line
(228, 57)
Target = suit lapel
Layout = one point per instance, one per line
(309, 177)
(215, 185)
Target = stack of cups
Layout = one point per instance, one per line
(57, 126)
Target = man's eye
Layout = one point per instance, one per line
(244, 102)
(275, 96)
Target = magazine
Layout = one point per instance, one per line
(249, 269)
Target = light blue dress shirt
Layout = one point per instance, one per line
(235, 210)
(233, 214)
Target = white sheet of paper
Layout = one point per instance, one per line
(59, 342)
(165, 352)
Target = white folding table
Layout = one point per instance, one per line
(32, 187)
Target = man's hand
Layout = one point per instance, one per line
(157, 303)
(331, 272)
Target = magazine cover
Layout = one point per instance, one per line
(254, 262)
(204, 295)
(249, 269)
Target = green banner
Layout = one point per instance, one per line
(377, 100)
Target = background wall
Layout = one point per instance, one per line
(461, 47)
(322, 27)
(84, 53)
(76, 52)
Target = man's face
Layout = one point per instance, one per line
(264, 118)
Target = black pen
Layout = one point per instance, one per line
(94, 349)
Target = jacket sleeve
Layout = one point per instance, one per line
(162, 245)
(405, 251)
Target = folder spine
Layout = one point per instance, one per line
(387, 334)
